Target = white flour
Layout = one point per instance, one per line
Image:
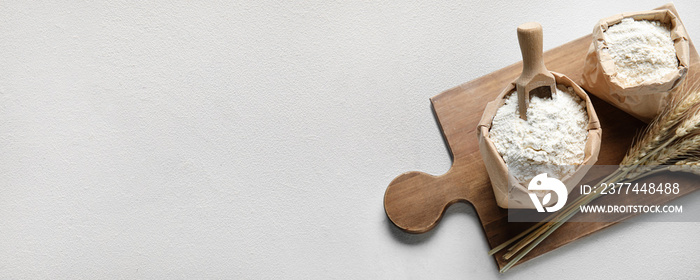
(642, 50)
(552, 139)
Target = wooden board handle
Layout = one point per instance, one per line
(415, 201)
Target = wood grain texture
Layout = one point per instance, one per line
(416, 201)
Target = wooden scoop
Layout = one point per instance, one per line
(535, 78)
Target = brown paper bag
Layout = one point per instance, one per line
(517, 197)
(643, 101)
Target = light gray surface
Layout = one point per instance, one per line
(255, 140)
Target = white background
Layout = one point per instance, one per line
(255, 140)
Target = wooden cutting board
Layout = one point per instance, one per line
(416, 201)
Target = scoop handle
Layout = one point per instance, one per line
(530, 40)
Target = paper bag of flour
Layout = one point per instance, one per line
(643, 100)
(511, 193)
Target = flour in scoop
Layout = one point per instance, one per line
(642, 50)
(551, 141)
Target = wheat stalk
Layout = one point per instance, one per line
(659, 131)
(671, 142)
